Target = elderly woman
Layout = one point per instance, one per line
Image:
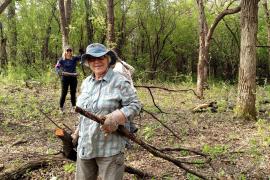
(106, 93)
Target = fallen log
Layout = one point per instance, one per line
(124, 132)
(18, 172)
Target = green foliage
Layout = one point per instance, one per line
(241, 177)
(215, 150)
(148, 132)
(263, 127)
(69, 167)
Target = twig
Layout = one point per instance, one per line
(183, 149)
(166, 89)
(164, 125)
(66, 126)
(154, 100)
(49, 118)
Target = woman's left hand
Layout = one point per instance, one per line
(112, 121)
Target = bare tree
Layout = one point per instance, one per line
(205, 36)
(65, 18)
(247, 70)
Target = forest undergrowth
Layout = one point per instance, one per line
(235, 148)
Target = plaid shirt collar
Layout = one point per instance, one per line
(106, 78)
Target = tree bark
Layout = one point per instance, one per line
(45, 46)
(3, 55)
(110, 24)
(12, 26)
(4, 5)
(267, 19)
(88, 20)
(247, 71)
(202, 49)
(65, 14)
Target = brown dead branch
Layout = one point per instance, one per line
(164, 125)
(183, 149)
(166, 89)
(18, 142)
(124, 132)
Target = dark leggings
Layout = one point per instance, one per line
(66, 82)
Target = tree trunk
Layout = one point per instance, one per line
(247, 70)
(45, 46)
(64, 19)
(3, 55)
(201, 66)
(267, 19)
(110, 24)
(12, 33)
(4, 5)
(204, 40)
(88, 20)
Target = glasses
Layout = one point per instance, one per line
(92, 59)
(69, 50)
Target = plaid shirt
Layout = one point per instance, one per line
(102, 97)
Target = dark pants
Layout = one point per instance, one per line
(66, 82)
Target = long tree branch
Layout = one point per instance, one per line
(219, 18)
(166, 89)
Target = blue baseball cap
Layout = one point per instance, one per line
(98, 50)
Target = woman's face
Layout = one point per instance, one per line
(99, 65)
(68, 53)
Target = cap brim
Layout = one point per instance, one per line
(110, 53)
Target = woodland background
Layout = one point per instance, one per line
(177, 44)
(165, 32)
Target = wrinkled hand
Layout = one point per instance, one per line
(110, 125)
(75, 137)
(112, 121)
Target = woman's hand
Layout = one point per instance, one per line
(75, 137)
(112, 121)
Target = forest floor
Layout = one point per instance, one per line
(239, 149)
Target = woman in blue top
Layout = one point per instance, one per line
(66, 68)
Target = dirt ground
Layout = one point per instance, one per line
(238, 149)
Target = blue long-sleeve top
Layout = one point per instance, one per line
(67, 65)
